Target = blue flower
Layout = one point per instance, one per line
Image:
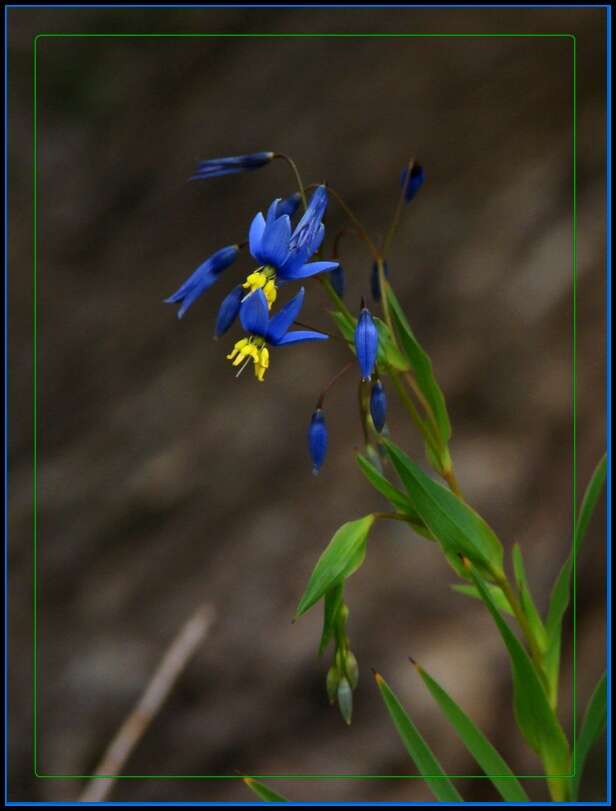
(317, 440)
(263, 330)
(375, 284)
(203, 278)
(231, 166)
(378, 405)
(336, 277)
(366, 343)
(283, 255)
(228, 310)
(413, 183)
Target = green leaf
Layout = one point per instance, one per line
(343, 555)
(427, 764)
(528, 604)
(534, 716)
(460, 530)
(592, 726)
(263, 792)
(559, 599)
(332, 603)
(422, 367)
(388, 355)
(476, 742)
(499, 599)
(398, 499)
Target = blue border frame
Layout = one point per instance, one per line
(608, 134)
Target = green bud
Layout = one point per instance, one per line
(343, 614)
(333, 677)
(345, 699)
(351, 669)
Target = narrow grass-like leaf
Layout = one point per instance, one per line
(422, 367)
(343, 555)
(460, 530)
(332, 603)
(528, 604)
(592, 726)
(397, 499)
(534, 716)
(500, 601)
(559, 599)
(263, 792)
(476, 742)
(421, 754)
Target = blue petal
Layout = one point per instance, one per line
(280, 323)
(336, 278)
(288, 206)
(413, 183)
(228, 310)
(254, 313)
(366, 343)
(317, 440)
(275, 241)
(304, 271)
(203, 278)
(301, 335)
(231, 166)
(255, 235)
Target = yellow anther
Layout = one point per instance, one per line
(254, 349)
(255, 280)
(263, 279)
(270, 292)
(237, 348)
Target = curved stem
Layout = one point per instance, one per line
(355, 220)
(398, 211)
(298, 178)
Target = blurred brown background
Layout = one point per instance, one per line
(164, 481)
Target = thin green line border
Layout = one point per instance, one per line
(329, 35)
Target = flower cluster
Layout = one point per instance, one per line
(285, 254)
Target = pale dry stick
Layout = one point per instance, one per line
(177, 656)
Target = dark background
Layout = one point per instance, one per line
(164, 482)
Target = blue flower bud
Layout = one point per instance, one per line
(336, 277)
(228, 310)
(288, 206)
(375, 284)
(231, 166)
(317, 440)
(366, 343)
(378, 405)
(413, 183)
(203, 278)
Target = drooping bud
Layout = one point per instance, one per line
(336, 277)
(231, 166)
(413, 183)
(378, 405)
(317, 439)
(375, 282)
(351, 668)
(333, 677)
(345, 699)
(203, 278)
(366, 343)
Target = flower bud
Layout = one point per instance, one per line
(378, 405)
(375, 282)
(336, 277)
(366, 343)
(333, 677)
(317, 440)
(413, 183)
(351, 668)
(288, 206)
(345, 699)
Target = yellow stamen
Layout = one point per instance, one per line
(263, 279)
(254, 349)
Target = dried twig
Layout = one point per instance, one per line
(132, 730)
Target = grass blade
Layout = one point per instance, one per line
(263, 792)
(592, 726)
(421, 754)
(476, 742)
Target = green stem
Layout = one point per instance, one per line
(398, 212)
(516, 607)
